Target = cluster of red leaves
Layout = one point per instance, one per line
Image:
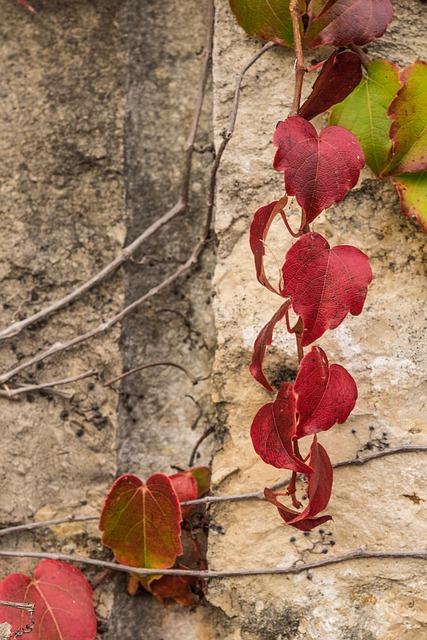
(146, 528)
(320, 283)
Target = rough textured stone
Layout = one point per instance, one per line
(379, 506)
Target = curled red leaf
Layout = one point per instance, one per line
(340, 74)
(258, 233)
(273, 430)
(318, 492)
(326, 394)
(265, 338)
(324, 284)
(343, 22)
(319, 168)
(62, 598)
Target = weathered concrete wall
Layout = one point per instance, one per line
(380, 506)
(62, 203)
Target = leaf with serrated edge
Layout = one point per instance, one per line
(324, 284)
(339, 75)
(258, 234)
(264, 339)
(273, 430)
(266, 19)
(412, 190)
(141, 522)
(326, 393)
(408, 115)
(318, 492)
(62, 598)
(364, 112)
(319, 168)
(344, 22)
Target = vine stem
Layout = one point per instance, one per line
(254, 495)
(300, 68)
(359, 554)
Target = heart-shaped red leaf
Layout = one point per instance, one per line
(62, 598)
(258, 233)
(340, 74)
(273, 430)
(326, 394)
(319, 169)
(185, 486)
(141, 522)
(324, 284)
(343, 22)
(265, 338)
(318, 492)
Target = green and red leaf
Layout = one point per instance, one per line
(364, 112)
(273, 430)
(324, 284)
(408, 115)
(326, 393)
(319, 168)
(318, 493)
(412, 190)
(344, 22)
(141, 522)
(266, 19)
(339, 75)
(62, 598)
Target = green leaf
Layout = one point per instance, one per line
(141, 522)
(266, 19)
(408, 113)
(364, 112)
(412, 189)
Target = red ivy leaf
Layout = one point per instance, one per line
(318, 492)
(344, 22)
(141, 522)
(324, 284)
(185, 486)
(62, 598)
(273, 430)
(326, 394)
(258, 233)
(340, 74)
(265, 338)
(319, 169)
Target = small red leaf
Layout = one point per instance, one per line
(265, 338)
(141, 522)
(319, 169)
(326, 394)
(324, 284)
(340, 74)
(258, 233)
(185, 486)
(63, 602)
(273, 430)
(318, 492)
(344, 22)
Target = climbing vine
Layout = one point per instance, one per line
(377, 116)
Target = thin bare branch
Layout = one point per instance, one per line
(359, 554)
(48, 386)
(203, 437)
(16, 328)
(141, 367)
(192, 260)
